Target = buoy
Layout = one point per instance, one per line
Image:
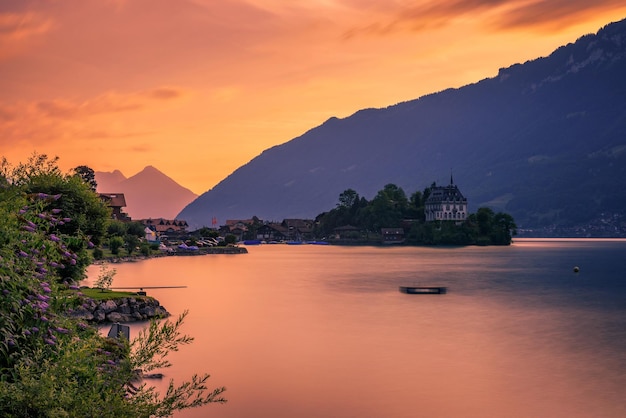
(576, 269)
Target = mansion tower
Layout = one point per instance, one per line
(446, 203)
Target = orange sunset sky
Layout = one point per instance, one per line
(199, 88)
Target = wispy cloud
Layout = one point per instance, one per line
(494, 14)
(18, 29)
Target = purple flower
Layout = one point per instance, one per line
(56, 196)
(54, 238)
(34, 329)
(43, 298)
(49, 341)
(28, 228)
(67, 219)
(82, 325)
(73, 262)
(74, 287)
(54, 264)
(5, 291)
(42, 215)
(42, 196)
(56, 210)
(44, 319)
(26, 332)
(22, 253)
(62, 330)
(90, 244)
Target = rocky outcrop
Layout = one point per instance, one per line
(128, 309)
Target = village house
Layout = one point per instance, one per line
(116, 201)
(166, 226)
(271, 231)
(298, 229)
(446, 203)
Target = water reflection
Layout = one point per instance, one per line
(313, 331)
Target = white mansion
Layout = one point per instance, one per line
(446, 203)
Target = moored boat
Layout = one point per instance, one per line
(423, 290)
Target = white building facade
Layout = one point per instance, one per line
(446, 203)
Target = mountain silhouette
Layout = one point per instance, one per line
(544, 141)
(149, 193)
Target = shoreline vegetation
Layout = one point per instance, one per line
(54, 361)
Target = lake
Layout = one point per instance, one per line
(323, 331)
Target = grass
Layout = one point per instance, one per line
(98, 294)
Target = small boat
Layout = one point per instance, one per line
(423, 290)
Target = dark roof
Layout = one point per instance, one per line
(115, 200)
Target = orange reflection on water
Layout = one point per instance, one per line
(315, 331)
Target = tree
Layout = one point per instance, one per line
(348, 198)
(105, 278)
(503, 229)
(87, 175)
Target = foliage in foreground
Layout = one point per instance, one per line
(52, 365)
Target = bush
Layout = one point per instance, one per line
(98, 253)
(115, 243)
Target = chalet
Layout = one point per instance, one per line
(166, 226)
(298, 229)
(116, 201)
(236, 227)
(272, 231)
(445, 203)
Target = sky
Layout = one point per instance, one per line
(198, 88)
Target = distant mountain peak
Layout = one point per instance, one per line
(149, 194)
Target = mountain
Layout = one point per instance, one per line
(149, 193)
(108, 181)
(544, 141)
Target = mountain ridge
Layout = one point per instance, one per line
(543, 140)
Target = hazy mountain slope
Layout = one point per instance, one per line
(149, 194)
(544, 141)
(108, 181)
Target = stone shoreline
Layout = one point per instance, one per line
(126, 309)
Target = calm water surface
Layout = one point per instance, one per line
(322, 331)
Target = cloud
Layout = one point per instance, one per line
(17, 30)
(108, 116)
(497, 15)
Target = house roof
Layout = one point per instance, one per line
(116, 200)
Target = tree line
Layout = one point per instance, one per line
(391, 208)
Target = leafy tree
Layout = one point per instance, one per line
(348, 198)
(105, 278)
(116, 228)
(230, 239)
(87, 175)
(132, 242)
